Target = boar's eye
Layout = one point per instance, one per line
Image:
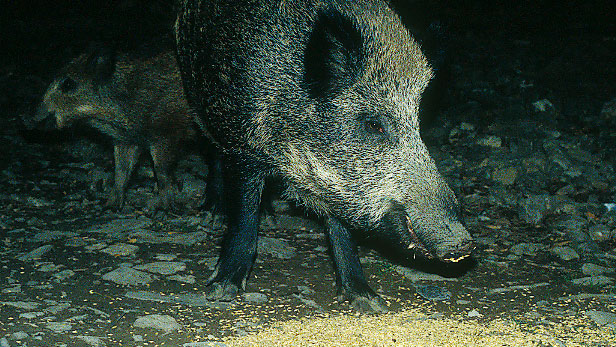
(374, 126)
(68, 85)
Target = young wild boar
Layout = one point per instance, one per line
(137, 101)
(324, 94)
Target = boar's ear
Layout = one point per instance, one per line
(102, 62)
(334, 55)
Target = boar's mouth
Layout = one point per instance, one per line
(418, 246)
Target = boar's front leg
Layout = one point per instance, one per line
(242, 186)
(125, 157)
(350, 275)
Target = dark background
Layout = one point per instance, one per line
(567, 49)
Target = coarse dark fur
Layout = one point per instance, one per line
(137, 100)
(324, 94)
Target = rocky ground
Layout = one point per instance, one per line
(525, 137)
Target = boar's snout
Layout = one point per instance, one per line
(445, 239)
(44, 119)
(456, 245)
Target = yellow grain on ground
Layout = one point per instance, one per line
(410, 328)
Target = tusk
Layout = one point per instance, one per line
(455, 260)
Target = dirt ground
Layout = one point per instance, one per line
(524, 133)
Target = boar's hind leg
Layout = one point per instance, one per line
(163, 156)
(350, 275)
(242, 194)
(126, 157)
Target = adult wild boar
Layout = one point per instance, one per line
(137, 99)
(324, 94)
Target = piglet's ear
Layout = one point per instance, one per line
(334, 55)
(102, 62)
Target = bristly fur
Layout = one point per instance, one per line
(326, 95)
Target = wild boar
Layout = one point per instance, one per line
(324, 94)
(137, 100)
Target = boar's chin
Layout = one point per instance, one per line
(449, 242)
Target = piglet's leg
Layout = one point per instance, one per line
(164, 159)
(126, 157)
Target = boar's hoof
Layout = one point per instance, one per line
(165, 201)
(368, 304)
(218, 291)
(115, 200)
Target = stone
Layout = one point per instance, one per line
(565, 253)
(416, 275)
(165, 257)
(128, 276)
(490, 141)
(433, 293)
(277, 248)
(23, 305)
(506, 176)
(196, 300)
(38, 202)
(467, 126)
(59, 327)
(602, 318)
(185, 238)
(165, 323)
(593, 281)
(64, 274)
(600, 233)
(52, 235)
(255, 298)
(121, 250)
(190, 279)
(534, 208)
(543, 105)
(574, 226)
(529, 249)
(192, 186)
(12, 290)
(474, 314)
(36, 253)
(305, 290)
(289, 223)
(591, 269)
(281, 206)
(31, 315)
(163, 267)
(93, 341)
(120, 228)
(20, 335)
